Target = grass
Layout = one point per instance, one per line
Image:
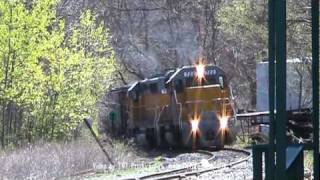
(241, 143)
(54, 160)
(62, 160)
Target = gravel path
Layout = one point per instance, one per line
(174, 159)
(241, 171)
(220, 158)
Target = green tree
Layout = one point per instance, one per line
(49, 80)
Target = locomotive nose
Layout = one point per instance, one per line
(209, 132)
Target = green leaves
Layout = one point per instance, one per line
(241, 19)
(244, 23)
(55, 81)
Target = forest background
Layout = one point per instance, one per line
(59, 58)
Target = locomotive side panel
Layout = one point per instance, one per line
(149, 102)
(149, 109)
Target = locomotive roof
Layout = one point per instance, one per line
(146, 81)
(123, 88)
(173, 76)
(158, 78)
(169, 76)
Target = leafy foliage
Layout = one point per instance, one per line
(53, 78)
(245, 23)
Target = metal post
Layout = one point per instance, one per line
(280, 30)
(269, 173)
(97, 140)
(315, 85)
(271, 53)
(257, 162)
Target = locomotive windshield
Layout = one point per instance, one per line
(210, 77)
(195, 77)
(209, 80)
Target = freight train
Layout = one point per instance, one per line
(187, 107)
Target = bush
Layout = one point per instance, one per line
(54, 160)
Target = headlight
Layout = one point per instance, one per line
(194, 125)
(224, 122)
(200, 70)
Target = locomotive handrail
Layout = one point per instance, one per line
(220, 99)
(180, 109)
(148, 107)
(156, 122)
(203, 101)
(204, 86)
(196, 101)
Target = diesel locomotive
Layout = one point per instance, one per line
(187, 107)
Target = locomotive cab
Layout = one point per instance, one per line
(203, 103)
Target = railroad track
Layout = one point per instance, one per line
(194, 169)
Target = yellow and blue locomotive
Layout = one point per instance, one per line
(188, 107)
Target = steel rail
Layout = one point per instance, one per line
(152, 175)
(201, 171)
(187, 171)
